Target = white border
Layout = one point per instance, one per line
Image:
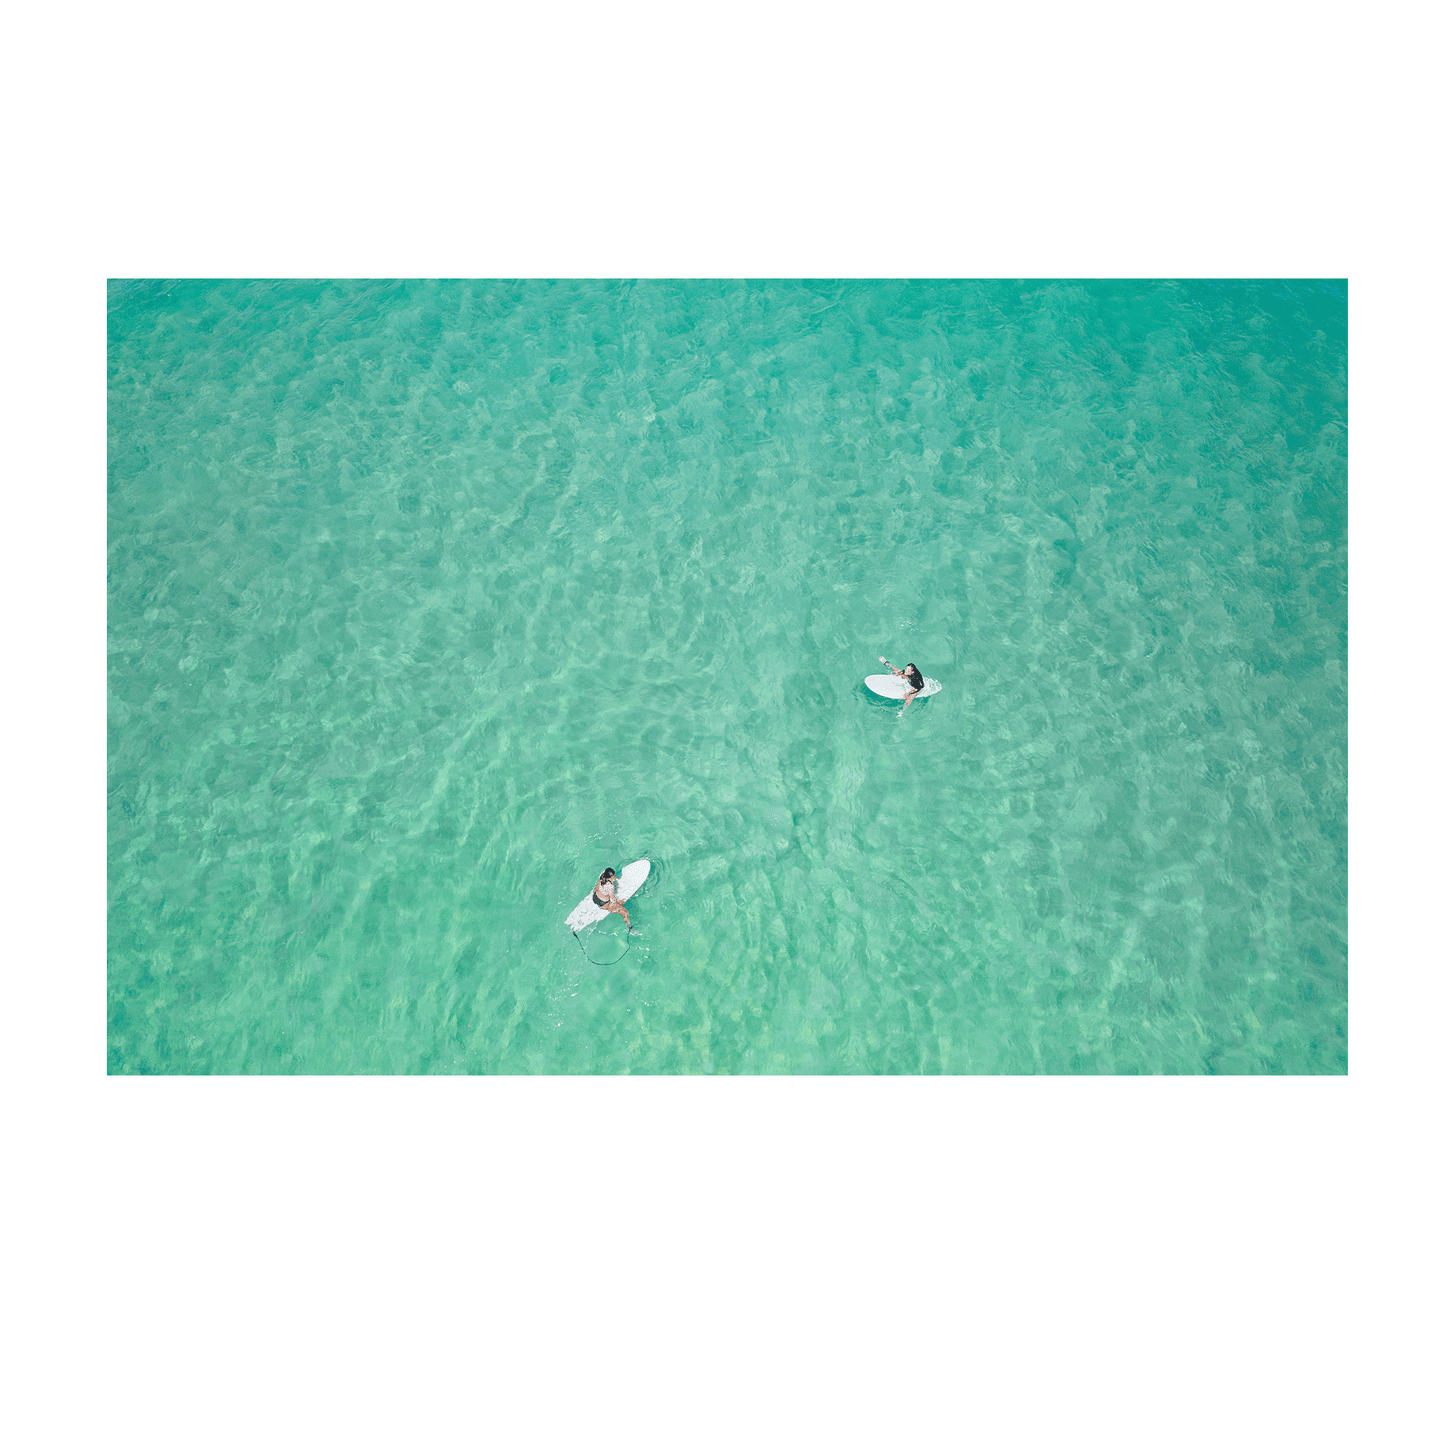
(85, 1097)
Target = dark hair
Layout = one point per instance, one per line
(606, 874)
(914, 677)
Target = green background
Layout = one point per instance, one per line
(695, 1286)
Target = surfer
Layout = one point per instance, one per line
(604, 895)
(912, 679)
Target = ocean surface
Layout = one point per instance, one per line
(428, 600)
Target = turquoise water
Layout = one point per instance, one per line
(427, 600)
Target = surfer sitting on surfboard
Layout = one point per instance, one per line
(604, 895)
(911, 676)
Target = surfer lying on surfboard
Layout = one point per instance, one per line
(912, 679)
(604, 895)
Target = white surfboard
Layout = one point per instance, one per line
(629, 881)
(885, 684)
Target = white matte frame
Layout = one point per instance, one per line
(84, 1096)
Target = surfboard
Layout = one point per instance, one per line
(885, 684)
(629, 881)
